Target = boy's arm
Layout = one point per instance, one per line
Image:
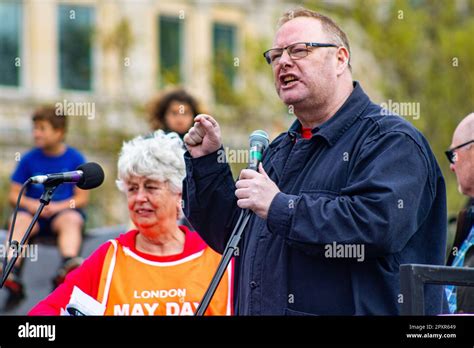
(79, 200)
(27, 203)
(81, 197)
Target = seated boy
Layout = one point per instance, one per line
(63, 216)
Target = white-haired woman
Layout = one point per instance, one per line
(159, 268)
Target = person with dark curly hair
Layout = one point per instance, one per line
(174, 111)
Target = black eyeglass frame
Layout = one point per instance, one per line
(450, 153)
(308, 44)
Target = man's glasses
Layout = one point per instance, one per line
(295, 51)
(452, 155)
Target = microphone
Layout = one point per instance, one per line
(87, 176)
(258, 143)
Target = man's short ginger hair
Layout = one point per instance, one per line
(336, 34)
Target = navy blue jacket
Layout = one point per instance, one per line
(363, 178)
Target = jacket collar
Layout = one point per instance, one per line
(335, 127)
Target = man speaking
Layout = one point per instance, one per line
(343, 198)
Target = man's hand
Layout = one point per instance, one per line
(255, 191)
(204, 137)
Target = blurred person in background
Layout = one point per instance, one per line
(174, 111)
(159, 268)
(461, 159)
(63, 218)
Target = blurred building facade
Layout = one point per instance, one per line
(101, 61)
(117, 53)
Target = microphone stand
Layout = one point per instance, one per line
(44, 200)
(229, 251)
(258, 142)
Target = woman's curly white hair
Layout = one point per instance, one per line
(158, 156)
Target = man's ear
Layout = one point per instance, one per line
(342, 59)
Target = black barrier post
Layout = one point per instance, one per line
(413, 277)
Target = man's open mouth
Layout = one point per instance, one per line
(288, 79)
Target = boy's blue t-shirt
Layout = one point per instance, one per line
(35, 162)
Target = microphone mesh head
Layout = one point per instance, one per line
(260, 136)
(93, 176)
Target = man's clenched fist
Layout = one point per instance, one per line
(204, 137)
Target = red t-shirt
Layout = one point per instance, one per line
(306, 133)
